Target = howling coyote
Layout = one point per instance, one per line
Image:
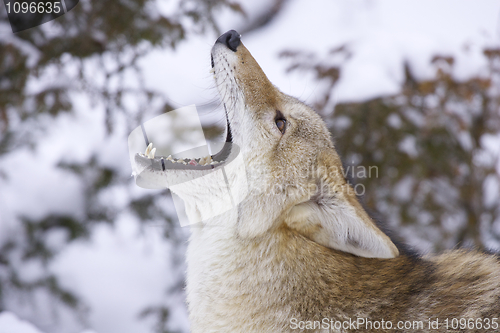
(297, 252)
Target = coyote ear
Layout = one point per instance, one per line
(334, 218)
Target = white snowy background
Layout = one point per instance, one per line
(126, 267)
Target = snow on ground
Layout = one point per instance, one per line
(9, 323)
(120, 270)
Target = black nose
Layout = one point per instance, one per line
(231, 39)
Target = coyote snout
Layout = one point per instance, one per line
(299, 253)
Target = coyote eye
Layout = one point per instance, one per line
(280, 122)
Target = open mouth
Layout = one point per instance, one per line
(207, 162)
(148, 159)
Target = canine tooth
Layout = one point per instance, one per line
(148, 149)
(152, 153)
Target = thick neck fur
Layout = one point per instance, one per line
(261, 284)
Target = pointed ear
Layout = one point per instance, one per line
(334, 218)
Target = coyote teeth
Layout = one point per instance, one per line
(199, 161)
(152, 153)
(205, 160)
(148, 149)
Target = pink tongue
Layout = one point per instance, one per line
(193, 162)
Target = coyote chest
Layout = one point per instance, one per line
(249, 286)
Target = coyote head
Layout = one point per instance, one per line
(294, 175)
